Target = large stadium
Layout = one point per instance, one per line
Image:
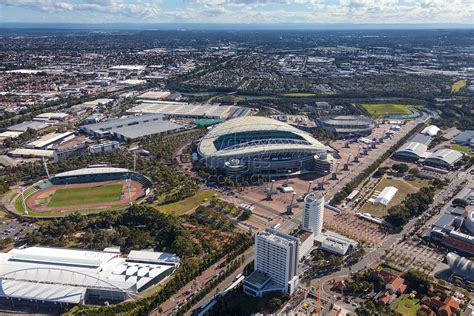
(87, 189)
(347, 125)
(258, 145)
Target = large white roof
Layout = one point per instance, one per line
(386, 195)
(415, 148)
(90, 171)
(431, 130)
(63, 275)
(255, 124)
(449, 156)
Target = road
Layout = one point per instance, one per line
(373, 256)
(226, 282)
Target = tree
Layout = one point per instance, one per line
(460, 203)
(414, 172)
(275, 302)
(400, 168)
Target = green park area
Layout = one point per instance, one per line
(406, 306)
(404, 188)
(188, 204)
(458, 85)
(299, 95)
(86, 195)
(463, 149)
(379, 109)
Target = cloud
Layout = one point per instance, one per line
(256, 11)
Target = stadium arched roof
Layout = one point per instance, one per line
(256, 124)
(461, 266)
(91, 171)
(447, 156)
(413, 149)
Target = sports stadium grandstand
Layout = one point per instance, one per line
(259, 145)
(347, 125)
(83, 189)
(98, 174)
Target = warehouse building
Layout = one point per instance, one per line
(47, 141)
(443, 158)
(187, 110)
(412, 151)
(71, 276)
(133, 127)
(466, 138)
(24, 126)
(347, 125)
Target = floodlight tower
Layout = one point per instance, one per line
(270, 191)
(45, 166)
(346, 165)
(334, 174)
(309, 187)
(289, 209)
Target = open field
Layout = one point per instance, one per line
(404, 189)
(299, 94)
(458, 85)
(86, 195)
(386, 108)
(186, 205)
(406, 306)
(85, 198)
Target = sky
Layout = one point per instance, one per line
(239, 11)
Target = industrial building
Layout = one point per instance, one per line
(51, 116)
(47, 141)
(187, 110)
(347, 125)
(24, 126)
(466, 138)
(412, 151)
(133, 127)
(275, 264)
(259, 145)
(104, 147)
(443, 158)
(71, 276)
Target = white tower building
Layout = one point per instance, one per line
(313, 213)
(276, 264)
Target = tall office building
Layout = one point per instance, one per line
(313, 212)
(276, 264)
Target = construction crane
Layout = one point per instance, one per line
(317, 310)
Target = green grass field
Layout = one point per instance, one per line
(463, 149)
(188, 204)
(386, 108)
(406, 306)
(404, 189)
(299, 94)
(86, 195)
(458, 85)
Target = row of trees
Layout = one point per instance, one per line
(413, 205)
(348, 188)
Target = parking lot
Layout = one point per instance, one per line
(14, 230)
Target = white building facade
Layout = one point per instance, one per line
(276, 264)
(313, 212)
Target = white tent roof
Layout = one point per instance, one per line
(431, 130)
(386, 195)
